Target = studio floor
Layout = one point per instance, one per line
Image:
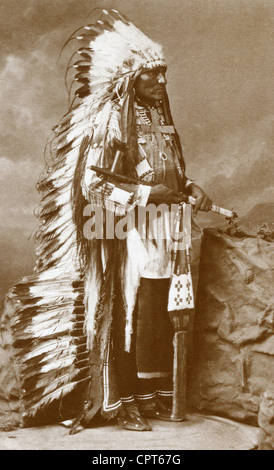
(197, 432)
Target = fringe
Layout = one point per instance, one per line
(93, 287)
(131, 274)
(99, 201)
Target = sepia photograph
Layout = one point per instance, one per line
(137, 234)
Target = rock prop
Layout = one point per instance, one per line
(233, 357)
(266, 421)
(11, 411)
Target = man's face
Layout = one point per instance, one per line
(150, 86)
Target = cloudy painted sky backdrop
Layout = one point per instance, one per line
(220, 83)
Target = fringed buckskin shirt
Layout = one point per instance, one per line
(160, 164)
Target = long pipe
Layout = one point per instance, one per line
(125, 179)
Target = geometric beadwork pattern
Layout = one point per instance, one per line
(180, 292)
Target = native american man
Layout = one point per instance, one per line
(100, 303)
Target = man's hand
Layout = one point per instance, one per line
(161, 194)
(203, 202)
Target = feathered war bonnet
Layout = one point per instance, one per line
(112, 53)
